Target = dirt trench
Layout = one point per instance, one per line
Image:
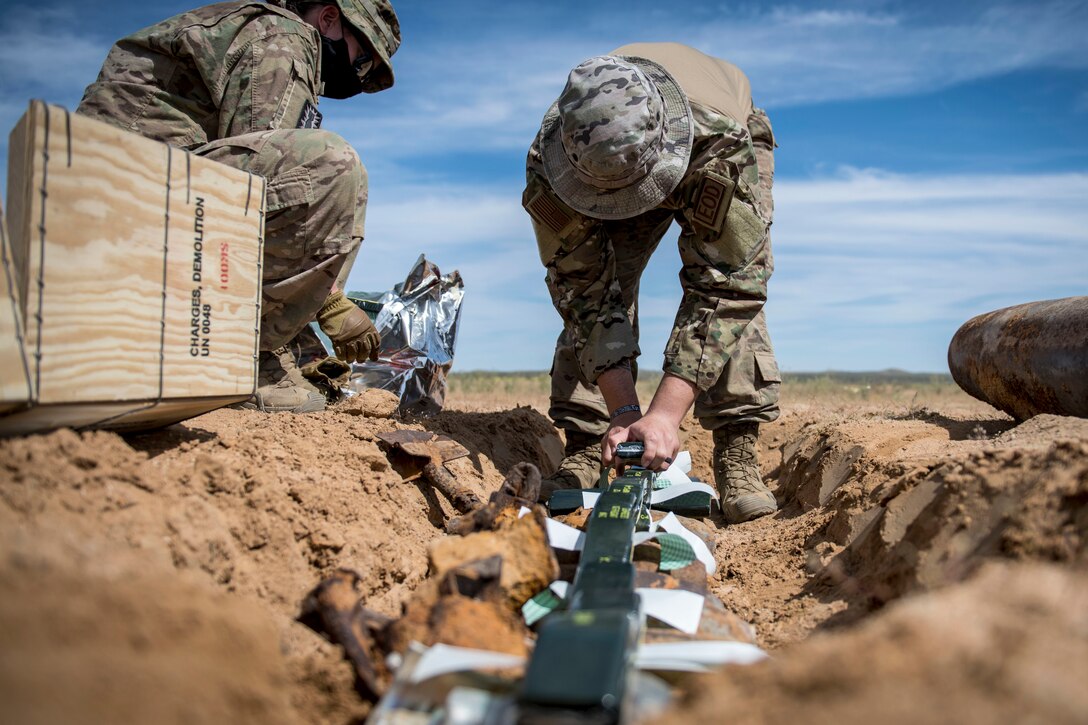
(157, 577)
(925, 566)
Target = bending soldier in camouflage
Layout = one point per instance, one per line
(239, 82)
(649, 134)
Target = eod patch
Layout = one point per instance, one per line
(712, 202)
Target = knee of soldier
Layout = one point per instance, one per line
(333, 164)
(342, 159)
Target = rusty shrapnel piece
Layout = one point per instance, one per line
(1026, 360)
(333, 609)
(420, 453)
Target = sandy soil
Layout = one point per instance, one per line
(926, 563)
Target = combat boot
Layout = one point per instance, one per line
(736, 471)
(581, 466)
(281, 387)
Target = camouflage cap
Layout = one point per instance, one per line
(376, 20)
(618, 139)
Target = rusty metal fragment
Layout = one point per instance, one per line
(1026, 360)
(423, 446)
(691, 578)
(528, 562)
(520, 488)
(466, 606)
(333, 609)
(414, 453)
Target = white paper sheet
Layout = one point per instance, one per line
(705, 653)
(442, 659)
(667, 494)
(589, 499)
(675, 607)
(677, 472)
(561, 536)
(671, 525)
(696, 656)
(560, 588)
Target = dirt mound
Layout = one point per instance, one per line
(92, 635)
(179, 543)
(933, 529)
(880, 506)
(1011, 645)
(910, 507)
(259, 506)
(506, 437)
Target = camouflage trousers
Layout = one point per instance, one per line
(315, 215)
(746, 391)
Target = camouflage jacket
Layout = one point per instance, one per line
(218, 71)
(724, 209)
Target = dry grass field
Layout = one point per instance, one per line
(892, 387)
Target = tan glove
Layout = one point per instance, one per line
(352, 333)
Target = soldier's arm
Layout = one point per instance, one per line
(658, 430)
(581, 277)
(265, 79)
(726, 251)
(764, 144)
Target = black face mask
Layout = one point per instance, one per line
(342, 78)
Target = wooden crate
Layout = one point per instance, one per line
(138, 268)
(14, 373)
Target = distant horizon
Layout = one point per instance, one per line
(932, 161)
(642, 372)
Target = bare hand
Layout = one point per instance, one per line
(659, 436)
(616, 434)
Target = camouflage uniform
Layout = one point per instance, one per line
(724, 207)
(238, 82)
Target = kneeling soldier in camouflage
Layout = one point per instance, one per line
(646, 135)
(239, 82)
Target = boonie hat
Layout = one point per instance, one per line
(618, 139)
(377, 20)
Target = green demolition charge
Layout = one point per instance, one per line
(603, 618)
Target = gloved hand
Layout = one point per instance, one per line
(352, 333)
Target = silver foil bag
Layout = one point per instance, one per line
(417, 321)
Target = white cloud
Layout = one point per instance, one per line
(874, 269)
(46, 49)
(469, 99)
(821, 55)
(869, 252)
(980, 211)
(822, 19)
(486, 87)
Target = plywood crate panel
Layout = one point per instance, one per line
(14, 373)
(140, 266)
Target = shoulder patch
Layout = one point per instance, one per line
(548, 211)
(310, 117)
(712, 202)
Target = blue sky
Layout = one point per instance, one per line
(933, 159)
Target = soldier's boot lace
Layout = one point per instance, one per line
(281, 388)
(736, 471)
(581, 466)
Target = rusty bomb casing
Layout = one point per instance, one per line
(1026, 360)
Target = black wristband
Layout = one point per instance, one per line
(625, 409)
